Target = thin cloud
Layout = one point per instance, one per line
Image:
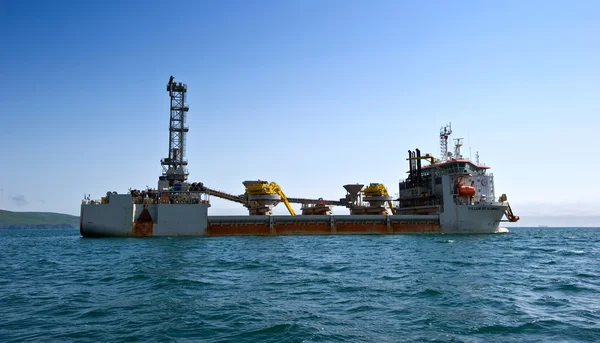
(19, 200)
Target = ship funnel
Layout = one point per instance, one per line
(354, 189)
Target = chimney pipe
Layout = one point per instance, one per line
(418, 167)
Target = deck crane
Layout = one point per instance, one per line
(261, 196)
(378, 192)
(266, 193)
(283, 197)
(508, 212)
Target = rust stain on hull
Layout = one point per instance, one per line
(236, 230)
(362, 228)
(142, 227)
(302, 229)
(216, 229)
(415, 228)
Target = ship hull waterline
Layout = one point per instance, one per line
(158, 220)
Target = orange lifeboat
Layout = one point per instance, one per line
(466, 191)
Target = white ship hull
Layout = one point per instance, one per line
(472, 218)
(120, 218)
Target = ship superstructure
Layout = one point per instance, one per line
(457, 189)
(449, 194)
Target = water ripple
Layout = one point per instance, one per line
(530, 285)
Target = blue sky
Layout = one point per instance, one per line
(310, 94)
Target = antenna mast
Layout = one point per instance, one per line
(445, 133)
(457, 144)
(469, 137)
(174, 166)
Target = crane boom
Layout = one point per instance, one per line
(226, 196)
(279, 192)
(315, 201)
(199, 186)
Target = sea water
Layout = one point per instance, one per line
(530, 285)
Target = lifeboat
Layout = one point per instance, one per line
(466, 191)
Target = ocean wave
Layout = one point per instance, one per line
(482, 288)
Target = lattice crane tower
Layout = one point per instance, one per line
(174, 166)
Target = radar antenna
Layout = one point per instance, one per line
(174, 166)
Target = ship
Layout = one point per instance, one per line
(447, 194)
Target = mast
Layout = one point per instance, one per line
(445, 133)
(458, 142)
(174, 166)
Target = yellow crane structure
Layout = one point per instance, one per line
(378, 190)
(272, 188)
(432, 160)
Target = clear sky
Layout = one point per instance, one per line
(310, 94)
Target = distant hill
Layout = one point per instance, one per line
(556, 221)
(42, 220)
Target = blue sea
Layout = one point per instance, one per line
(530, 285)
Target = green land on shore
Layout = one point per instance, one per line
(42, 220)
